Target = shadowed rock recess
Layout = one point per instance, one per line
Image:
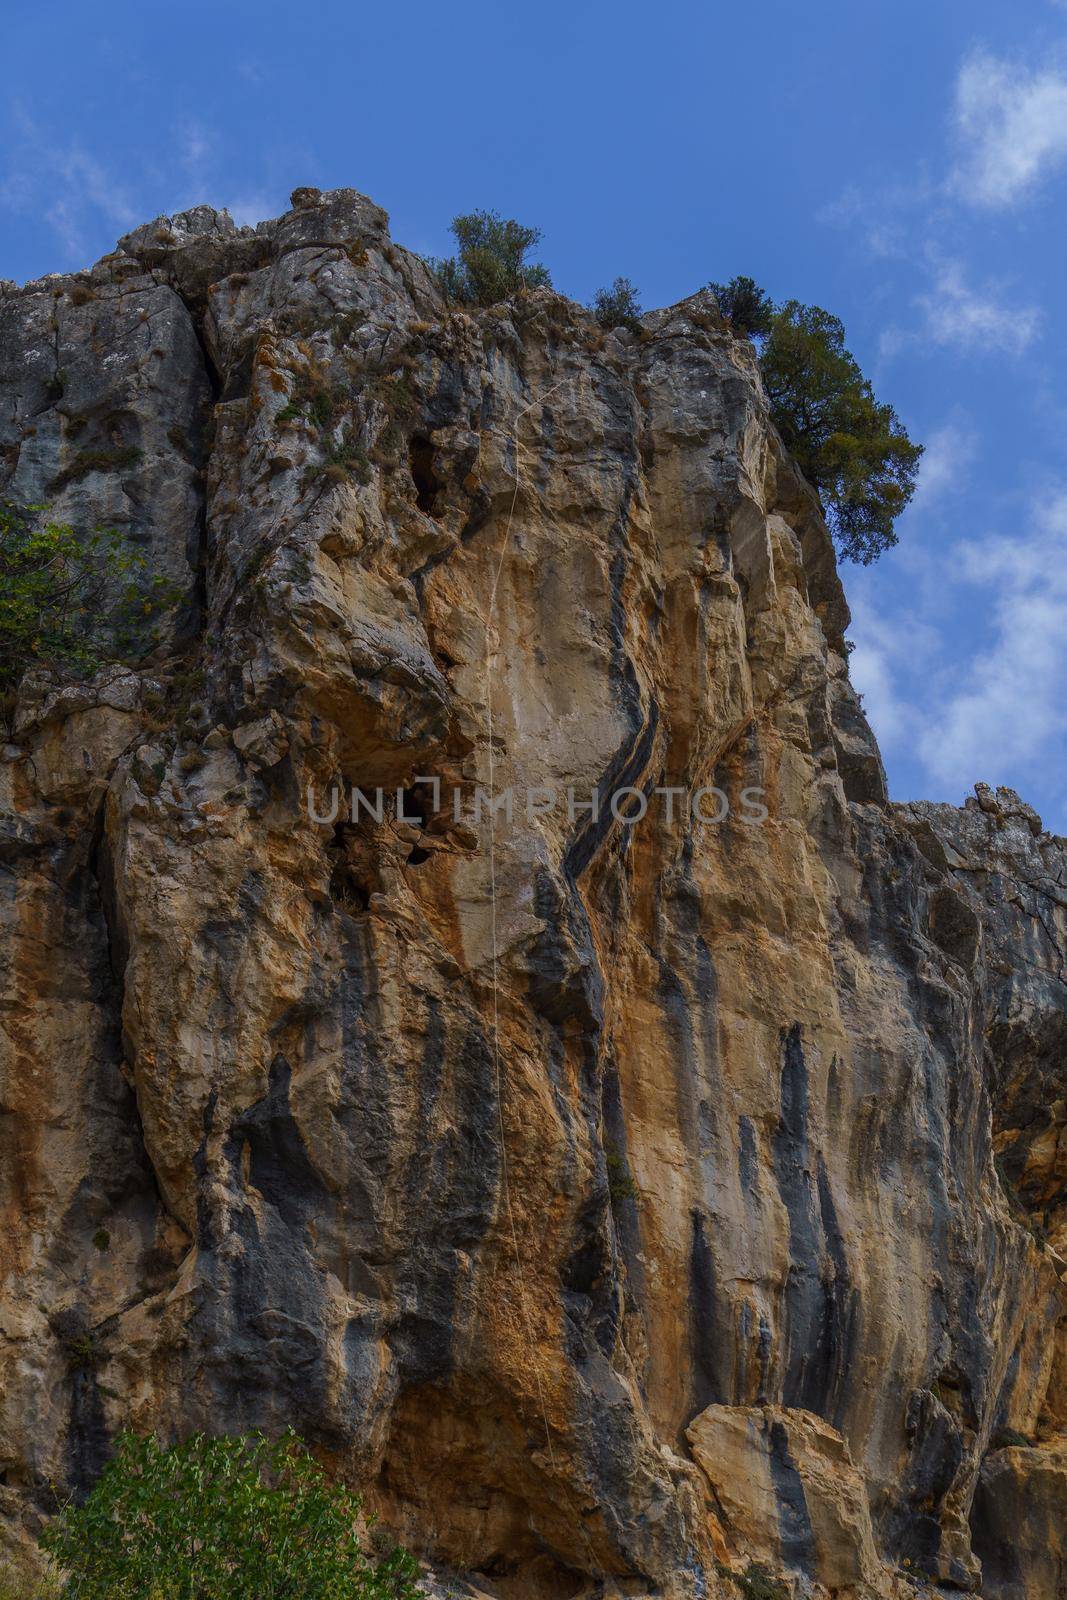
(747, 1245)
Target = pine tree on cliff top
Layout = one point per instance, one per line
(850, 446)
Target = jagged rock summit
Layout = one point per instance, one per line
(620, 1200)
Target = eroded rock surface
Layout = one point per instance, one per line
(611, 1199)
(787, 1494)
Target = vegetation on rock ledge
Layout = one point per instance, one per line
(618, 307)
(71, 602)
(231, 1518)
(851, 447)
(491, 263)
(749, 308)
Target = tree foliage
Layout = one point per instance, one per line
(749, 308)
(618, 307)
(220, 1519)
(70, 601)
(491, 262)
(852, 447)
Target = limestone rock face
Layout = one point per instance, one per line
(621, 1196)
(1020, 1517)
(787, 1494)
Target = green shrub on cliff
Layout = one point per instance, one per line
(71, 601)
(749, 308)
(220, 1519)
(850, 446)
(618, 307)
(491, 263)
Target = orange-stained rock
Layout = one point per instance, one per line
(503, 1155)
(787, 1495)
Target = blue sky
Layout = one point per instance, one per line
(901, 162)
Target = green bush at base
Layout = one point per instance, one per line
(220, 1519)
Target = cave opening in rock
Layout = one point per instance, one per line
(423, 474)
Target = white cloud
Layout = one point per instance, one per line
(247, 210)
(196, 147)
(961, 665)
(191, 177)
(88, 205)
(871, 671)
(957, 314)
(198, 150)
(886, 650)
(891, 341)
(64, 183)
(1011, 125)
(949, 452)
(882, 213)
(1009, 714)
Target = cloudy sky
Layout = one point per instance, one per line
(901, 162)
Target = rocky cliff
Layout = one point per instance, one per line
(620, 1198)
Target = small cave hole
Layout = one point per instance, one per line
(348, 893)
(423, 476)
(418, 855)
